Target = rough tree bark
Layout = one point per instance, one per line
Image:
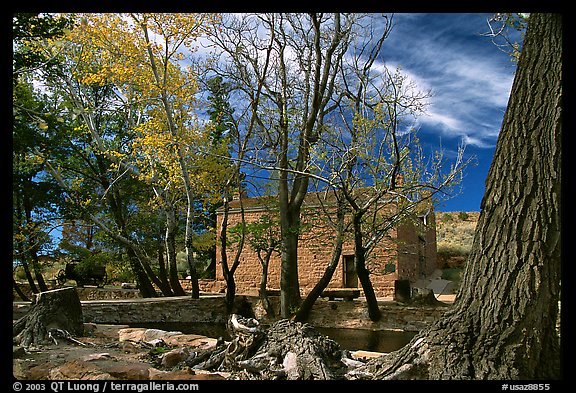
(170, 242)
(363, 274)
(227, 270)
(286, 350)
(503, 325)
(57, 309)
(263, 300)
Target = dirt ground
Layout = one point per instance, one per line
(104, 356)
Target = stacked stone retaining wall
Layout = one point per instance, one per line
(212, 309)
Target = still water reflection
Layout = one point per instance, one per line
(368, 340)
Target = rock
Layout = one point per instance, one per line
(365, 355)
(155, 337)
(78, 369)
(155, 334)
(150, 336)
(156, 374)
(190, 340)
(20, 369)
(89, 328)
(103, 369)
(129, 347)
(124, 369)
(175, 356)
(96, 356)
(131, 334)
(109, 369)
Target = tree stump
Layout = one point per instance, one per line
(286, 350)
(302, 351)
(50, 310)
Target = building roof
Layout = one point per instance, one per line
(312, 199)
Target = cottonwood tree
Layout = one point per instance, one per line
(94, 191)
(138, 57)
(239, 126)
(503, 325)
(285, 68)
(333, 210)
(380, 175)
(176, 31)
(34, 197)
(34, 210)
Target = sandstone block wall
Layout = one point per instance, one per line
(410, 249)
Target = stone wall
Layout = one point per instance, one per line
(410, 248)
(172, 309)
(111, 293)
(344, 314)
(212, 309)
(88, 293)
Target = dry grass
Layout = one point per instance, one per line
(455, 235)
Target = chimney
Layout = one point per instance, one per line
(237, 193)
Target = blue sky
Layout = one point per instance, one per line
(470, 79)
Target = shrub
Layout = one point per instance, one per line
(452, 274)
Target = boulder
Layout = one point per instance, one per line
(190, 340)
(175, 356)
(131, 334)
(158, 334)
(172, 338)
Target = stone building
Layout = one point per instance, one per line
(406, 252)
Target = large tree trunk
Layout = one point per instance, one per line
(188, 242)
(57, 309)
(143, 281)
(290, 231)
(361, 270)
(170, 241)
(262, 292)
(289, 283)
(503, 325)
(228, 271)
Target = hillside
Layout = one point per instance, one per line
(454, 234)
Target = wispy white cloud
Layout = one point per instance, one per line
(445, 121)
(470, 79)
